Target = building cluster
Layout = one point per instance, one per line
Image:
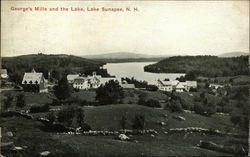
(93, 81)
(176, 85)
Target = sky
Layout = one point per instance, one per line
(157, 28)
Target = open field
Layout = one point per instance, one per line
(28, 133)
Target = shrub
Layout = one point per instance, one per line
(199, 109)
(123, 122)
(56, 102)
(224, 109)
(202, 95)
(37, 109)
(151, 88)
(67, 114)
(152, 103)
(8, 101)
(20, 101)
(149, 103)
(176, 107)
(193, 89)
(139, 122)
(110, 93)
(85, 127)
(51, 117)
(236, 120)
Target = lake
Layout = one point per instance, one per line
(136, 70)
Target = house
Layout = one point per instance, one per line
(215, 86)
(171, 85)
(128, 86)
(34, 82)
(4, 74)
(71, 77)
(164, 85)
(191, 84)
(81, 83)
(181, 87)
(89, 82)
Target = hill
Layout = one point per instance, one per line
(210, 66)
(234, 54)
(57, 65)
(121, 55)
(30, 133)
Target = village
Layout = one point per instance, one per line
(89, 108)
(35, 81)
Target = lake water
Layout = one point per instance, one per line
(136, 70)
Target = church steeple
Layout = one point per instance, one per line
(33, 70)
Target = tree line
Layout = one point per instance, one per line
(209, 66)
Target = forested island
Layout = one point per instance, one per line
(209, 66)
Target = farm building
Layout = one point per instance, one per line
(4, 74)
(171, 85)
(93, 81)
(34, 82)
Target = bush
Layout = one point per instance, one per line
(123, 122)
(176, 106)
(199, 109)
(51, 117)
(110, 93)
(67, 114)
(37, 109)
(85, 127)
(149, 103)
(224, 109)
(236, 120)
(8, 101)
(151, 88)
(139, 122)
(56, 102)
(20, 101)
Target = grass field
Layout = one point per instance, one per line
(28, 133)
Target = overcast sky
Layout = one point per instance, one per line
(158, 28)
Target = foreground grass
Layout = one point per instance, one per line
(29, 133)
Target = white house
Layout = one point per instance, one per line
(128, 86)
(34, 81)
(171, 85)
(216, 86)
(4, 73)
(181, 87)
(71, 77)
(191, 84)
(81, 83)
(89, 82)
(164, 85)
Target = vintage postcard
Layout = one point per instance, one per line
(124, 78)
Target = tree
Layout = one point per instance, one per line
(20, 101)
(151, 88)
(62, 91)
(110, 93)
(139, 122)
(236, 120)
(8, 101)
(67, 114)
(190, 76)
(80, 116)
(123, 122)
(176, 106)
(51, 117)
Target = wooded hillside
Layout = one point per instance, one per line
(57, 65)
(210, 66)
